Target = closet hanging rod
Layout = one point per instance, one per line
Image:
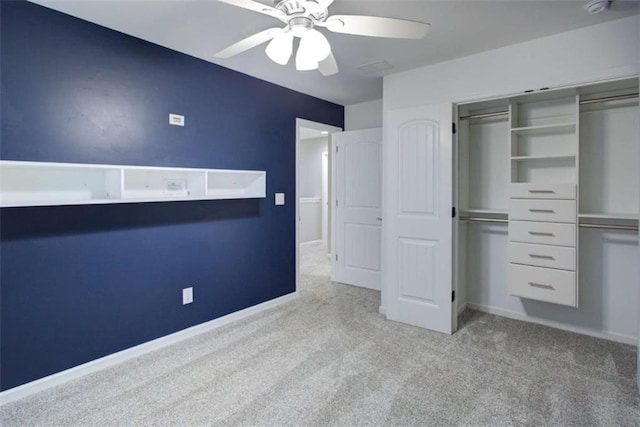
(470, 218)
(609, 98)
(583, 102)
(611, 227)
(485, 115)
(601, 226)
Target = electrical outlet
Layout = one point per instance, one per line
(187, 296)
(279, 199)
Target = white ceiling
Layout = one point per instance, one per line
(308, 133)
(458, 28)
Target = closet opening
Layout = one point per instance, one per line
(547, 190)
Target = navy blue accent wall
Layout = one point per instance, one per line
(82, 282)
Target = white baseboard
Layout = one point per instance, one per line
(462, 308)
(62, 377)
(373, 288)
(611, 336)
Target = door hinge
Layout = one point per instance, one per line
(453, 296)
(336, 257)
(453, 128)
(453, 212)
(337, 149)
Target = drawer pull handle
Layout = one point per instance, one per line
(541, 191)
(541, 285)
(541, 256)
(540, 233)
(542, 210)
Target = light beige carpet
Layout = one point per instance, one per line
(329, 358)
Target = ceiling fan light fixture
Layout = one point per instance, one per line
(305, 61)
(317, 43)
(280, 48)
(313, 48)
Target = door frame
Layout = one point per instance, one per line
(323, 128)
(324, 197)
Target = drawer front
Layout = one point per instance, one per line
(543, 284)
(543, 233)
(542, 210)
(543, 255)
(544, 191)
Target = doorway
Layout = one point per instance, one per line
(313, 186)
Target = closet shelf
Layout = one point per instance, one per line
(545, 129)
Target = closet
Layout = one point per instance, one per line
(547, 189)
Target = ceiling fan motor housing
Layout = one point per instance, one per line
(299, 25)
(311, 9)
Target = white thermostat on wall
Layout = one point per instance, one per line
(176, 120)
(279, 199)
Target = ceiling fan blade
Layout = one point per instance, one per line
(328, 66)
(249, 42)
(375, 26)
(325, 3)
(256, 7)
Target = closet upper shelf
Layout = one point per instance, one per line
(51, 184)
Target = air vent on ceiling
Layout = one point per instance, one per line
(372, 68)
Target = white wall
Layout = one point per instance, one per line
(600, 52)
(310, 190)
(366, 115)
(585, 55)
(311, 166)
(310, 219)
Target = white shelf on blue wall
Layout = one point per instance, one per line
(51, 184)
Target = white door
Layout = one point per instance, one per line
(358, 219)
(417, 212)
(325, 199)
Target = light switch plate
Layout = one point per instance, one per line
(187, 296)
(279, 199)
(176, 120)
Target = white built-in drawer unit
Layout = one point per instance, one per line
(527, 190)
(560, 257)
(543, 233)
(543, 210)
(543, 284)
(543, 242)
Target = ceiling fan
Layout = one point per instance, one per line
(314, 51)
